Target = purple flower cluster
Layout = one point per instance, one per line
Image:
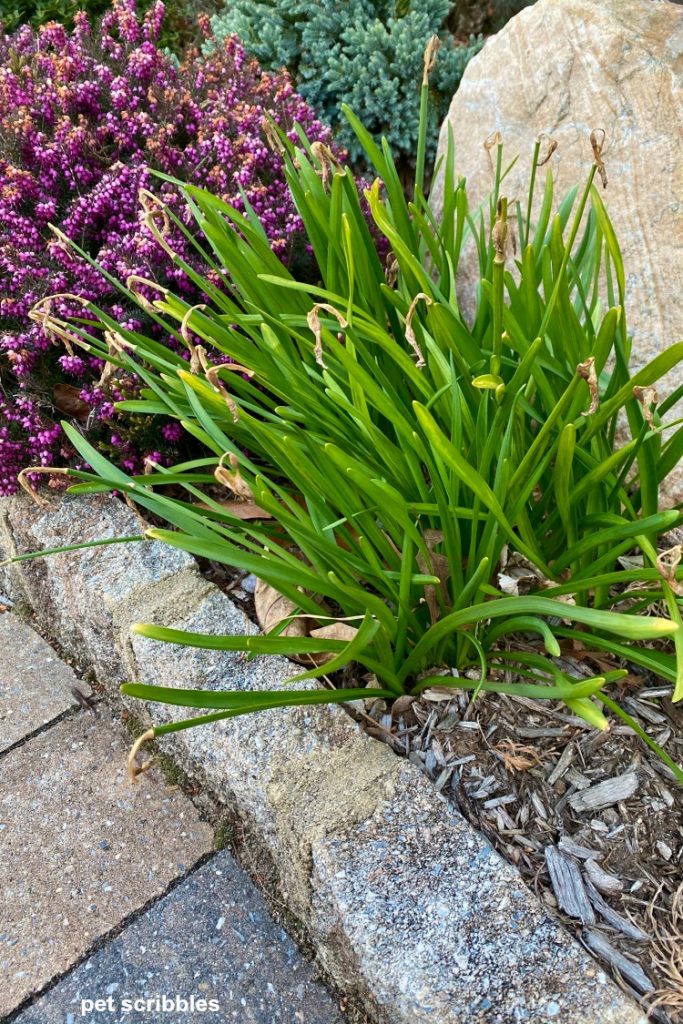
(84, 118)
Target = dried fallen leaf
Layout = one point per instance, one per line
(241, 509)
(333, 631)
(271, 608)
(517, 575)
(67, 399)
(516, 757)
(401, 706)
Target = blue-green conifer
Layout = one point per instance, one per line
(367, 53)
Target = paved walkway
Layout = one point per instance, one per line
(113, 906)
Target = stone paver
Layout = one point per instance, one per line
(35, 686)
(80, 848)
(210, 938)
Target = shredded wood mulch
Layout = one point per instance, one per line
(593, 820)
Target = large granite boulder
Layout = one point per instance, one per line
(565, 67)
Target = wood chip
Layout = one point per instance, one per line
(575, 778)
(631, 972)
(641, 709)
(568, 845)
(443, 777)
(606, 793)
(604, 882)
(528, 841)
(656, 691)
(613, 919)
(663, 850)
(498, 801)
(538, 806)
(562, 765)
(568, 886)
(535, 732)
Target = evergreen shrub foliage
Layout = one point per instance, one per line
(366, 53)
(14, 13)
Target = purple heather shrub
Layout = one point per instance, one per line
(85, 119)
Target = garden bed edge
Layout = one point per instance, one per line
(408, 907)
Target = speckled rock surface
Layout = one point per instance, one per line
(35, 686)
(75, 594)
(263, 760)
(212, 938)
(81, 848)
(565, 68)
(443, 931)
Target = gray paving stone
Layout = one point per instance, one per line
(80, 848)
(212, 938)
(35, 686)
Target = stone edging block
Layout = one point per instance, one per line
(407, 905)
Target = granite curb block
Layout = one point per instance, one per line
(408, 906)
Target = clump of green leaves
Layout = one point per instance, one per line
(179, 30)
(402, 457)
(37, 12)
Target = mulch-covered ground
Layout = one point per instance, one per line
(593, 820)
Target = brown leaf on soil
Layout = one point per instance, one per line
(401, 706)
(516, 574)
(271, 608)
(333, 631)
(67, 399)
(516, 757)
